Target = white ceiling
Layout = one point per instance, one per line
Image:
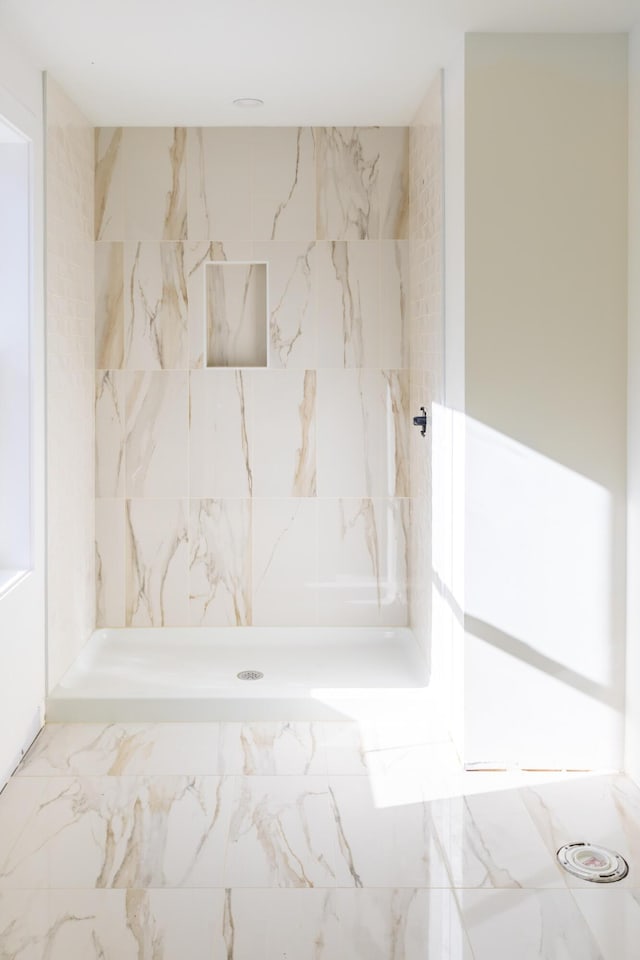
(319, 62)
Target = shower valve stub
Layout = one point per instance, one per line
(421, 421)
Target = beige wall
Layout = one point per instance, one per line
(545, 385)
(632, 752)
(546, 223)
(70, 380)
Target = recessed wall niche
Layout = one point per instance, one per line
(236, 314)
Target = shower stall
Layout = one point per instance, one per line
(268, 319)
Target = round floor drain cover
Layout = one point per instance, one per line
(250, 675)
(588, 861)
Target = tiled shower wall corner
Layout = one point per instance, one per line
(275, 496)
(70, 380)
(426, 365)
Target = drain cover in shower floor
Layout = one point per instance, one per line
(588, 861)
(250, 675)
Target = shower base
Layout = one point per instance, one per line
(174, 674)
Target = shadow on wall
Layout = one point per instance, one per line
(525, 652)
(541, 554)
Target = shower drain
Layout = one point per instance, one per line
(250, 675)
(588, 861)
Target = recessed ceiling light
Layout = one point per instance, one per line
(248, 102)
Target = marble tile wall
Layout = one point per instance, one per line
(70, 379)
(426, 352)
(267, 495)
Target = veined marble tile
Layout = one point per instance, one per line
(24, 924)
(393, 182)
(157, 574)
(347, 172)
(349, 433)
(406, 851)
(219, 162)
(155, 311)
(421, 448)
(110, 433)
(414, 772)
(109, 184)
(110, 563)
(347, 746)
(196, 257)
(155, 183)
(283, 183)
(220, 450)
(604, 810)
(292, 302)
(109, 306)
(129, 925)
(363, 424)
(127, 832)
(489, 840)
(17, 806)
(272, 749)
(156, 452)
(401, 924)
(381, 746)
(362, 568)
(283, 444)
(395, 304)
(285, 562)
(527, 924)
(36, 924)
(349, 314)
(283, 833)
(237, 314)
(125, 749)
(277, 923)
(613, 916)
(395, 442)
(170, 924)
(220, 563)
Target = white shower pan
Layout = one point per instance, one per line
(174, 674)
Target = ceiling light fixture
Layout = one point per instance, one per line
(248, 103)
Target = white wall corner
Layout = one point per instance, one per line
(632, 728)
(452, 427)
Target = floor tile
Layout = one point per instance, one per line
(268, 748)
(105, 924)
(489, 840)
(283, 834)
(527, 925)
(597, 809)
(421, 772)
(404, 924)
(346, 746)
(613, 915)
(393, 846)
(115, 832)
(354, 840)
(119, 749)
(401, 924)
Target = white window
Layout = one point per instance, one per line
(15, 414)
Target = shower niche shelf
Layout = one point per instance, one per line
(236, 314)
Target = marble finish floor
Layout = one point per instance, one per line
(301, 841)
